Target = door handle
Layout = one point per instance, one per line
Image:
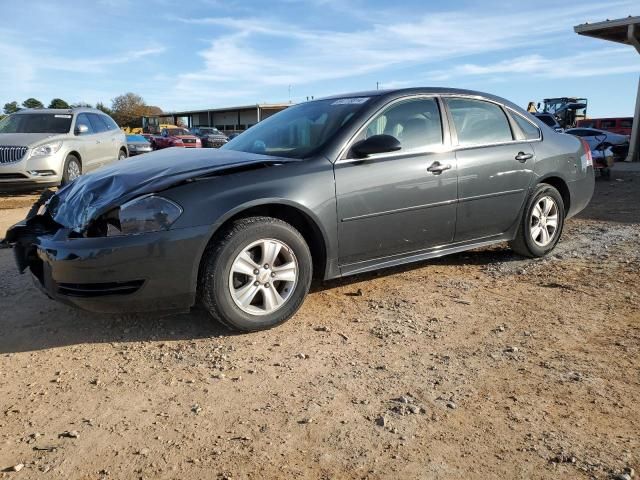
(523, 157)
(437, 168)
(98, 141)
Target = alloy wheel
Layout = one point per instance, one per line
(544, 221)
(263, 276)
(73, 170)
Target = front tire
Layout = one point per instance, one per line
(122, 155)
(255, 274)
(72, 169)
(541, 225)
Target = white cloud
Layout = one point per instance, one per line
(605, 61)
(237, 55)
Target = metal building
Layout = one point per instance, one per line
(626, 31)
(227, 120)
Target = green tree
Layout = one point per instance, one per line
(102, 107)
(32, 103)
(11, 107)
(81, 104)
(58, 103)
(128, 110)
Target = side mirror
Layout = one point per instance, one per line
(81, 128)
(376, 144)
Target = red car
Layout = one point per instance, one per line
(621, 125)
(175, 137)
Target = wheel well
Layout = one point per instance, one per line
(300, 221)
(561, 186)
(75, 154)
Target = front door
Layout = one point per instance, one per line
(396, 203)
(495, 168)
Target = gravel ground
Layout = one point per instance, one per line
(480, 365)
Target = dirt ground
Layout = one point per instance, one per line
(476, 366)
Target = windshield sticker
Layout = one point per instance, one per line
(62, 116)
(350, 101)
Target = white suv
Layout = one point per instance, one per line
(50, 147)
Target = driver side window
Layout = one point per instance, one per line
(83, 119)
(416, 123)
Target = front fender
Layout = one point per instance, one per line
(306, 186)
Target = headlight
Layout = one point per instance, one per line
(46, 149)
(142, 215)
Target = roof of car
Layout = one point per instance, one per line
(408, 91)
(399, 92)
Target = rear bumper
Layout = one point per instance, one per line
(581, 191)
(137, 273)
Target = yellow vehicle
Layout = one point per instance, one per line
(131, 131)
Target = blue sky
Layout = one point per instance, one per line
(211, 53)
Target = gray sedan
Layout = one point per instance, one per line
(138, 144)
(325, 189)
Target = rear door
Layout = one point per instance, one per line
(392, 204)
(116, 136)
(105, 147)
(495, 167)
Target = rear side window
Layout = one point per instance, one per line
(111, 124)
(530, 131)
(96, 122)
(478, 122)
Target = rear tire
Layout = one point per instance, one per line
(541, 224)
(255, 274)
(72, 169)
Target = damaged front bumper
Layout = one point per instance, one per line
(133, 273)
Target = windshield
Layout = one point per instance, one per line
(298, 131)
(136, 138)
(178, 131)
(210, 131)
(36, 123)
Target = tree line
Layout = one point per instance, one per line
(127, 109)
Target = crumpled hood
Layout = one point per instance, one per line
(93, 194)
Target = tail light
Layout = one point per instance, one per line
(587, 152)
